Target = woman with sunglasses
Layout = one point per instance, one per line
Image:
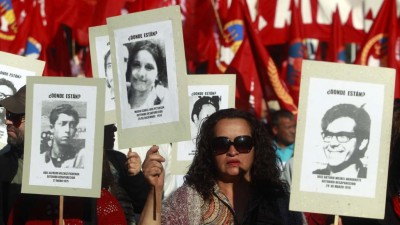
(234, 178)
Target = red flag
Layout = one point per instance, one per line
(242, 52)
(9, 25)
(336, 50)
(198, 21)
(141, 5)
(296, 53)
(57, 57)
(14, 35)
(379, 48)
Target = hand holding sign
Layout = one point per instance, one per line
(153, 169)
(133, 163)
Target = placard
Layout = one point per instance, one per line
(342, 139)
(63, 151)
(13, 72)
(150, 76)
(102, 67)
(207, 94)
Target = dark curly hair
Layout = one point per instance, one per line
(265, 173)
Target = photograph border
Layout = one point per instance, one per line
(166, 132)
(180, 167)
(335, 204)
(95, 189)
(94, 32)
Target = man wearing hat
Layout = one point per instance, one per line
(11, 159)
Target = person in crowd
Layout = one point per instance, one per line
(283, 129)
(234, 178)
(345, 135)
(11, 161)
(130, 188)
(105, 210)
(63, 152)
(109, 74)
(7, 89)
(146, 75)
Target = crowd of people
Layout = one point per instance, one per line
(241, 172)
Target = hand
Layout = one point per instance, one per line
(339, 221)
(153, 169)
(133, 163)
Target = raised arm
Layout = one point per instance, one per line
(154, 174)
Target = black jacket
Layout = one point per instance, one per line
(8, 192)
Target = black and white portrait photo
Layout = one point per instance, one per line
(64, 126)
(203, 107)
(7, 89)
(146, 74)
(341, 139)
(63, 148)
(103, 66)
(149, 68)
(204, 100)
(345, 136)
(147, 79)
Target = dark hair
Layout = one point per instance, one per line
(358, 114)
(265, 173)
(282, 113)
(198, 105)
(9, 84)
(106, 56)
(63, 109)
(158, 55)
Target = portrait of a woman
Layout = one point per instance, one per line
(146, 74)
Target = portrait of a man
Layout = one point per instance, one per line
(345, 137)
(64, 151)
(202, 108)
(7, 89)
(109, 74)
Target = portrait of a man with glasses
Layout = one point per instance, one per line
(345, 138)
(7, 89)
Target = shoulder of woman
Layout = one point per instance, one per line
(185, 194)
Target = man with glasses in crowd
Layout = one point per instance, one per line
(11, 160)
(345, 136)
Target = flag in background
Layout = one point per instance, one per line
(272, 86)
(336, 48)
(8, 28)
(379, 47)
(198, 20)
(241, 51)
(297, 52)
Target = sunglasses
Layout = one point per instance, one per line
(16, 118)
(243, 144)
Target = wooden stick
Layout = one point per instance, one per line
(154, 201)
(336, 222)
(61, 213)
(154, 204)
